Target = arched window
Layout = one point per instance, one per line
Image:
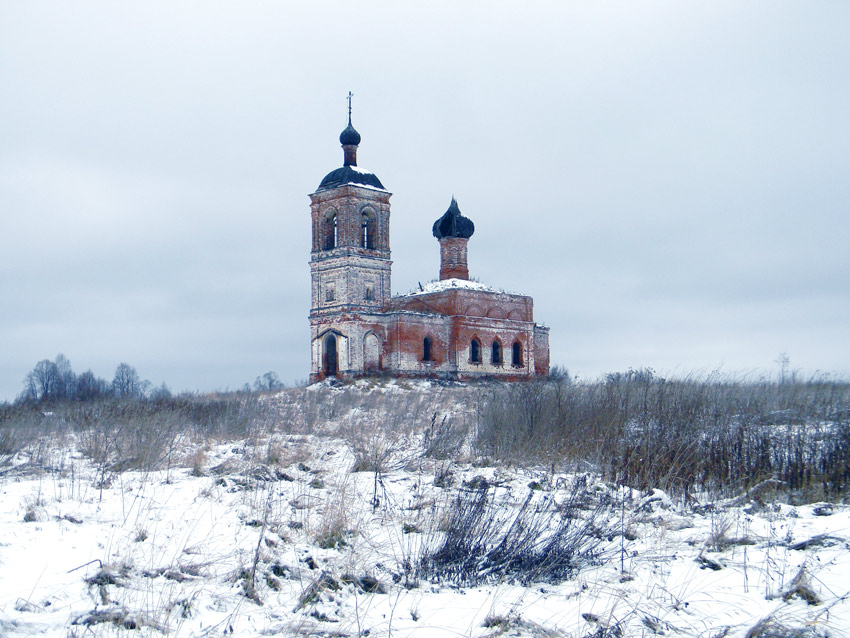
(367, 230)
(496, 357)
(516, 355)
(475, 351)
(426, 349)
(331, 232)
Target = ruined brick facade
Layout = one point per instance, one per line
(453, 328)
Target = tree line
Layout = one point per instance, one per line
(56, 381)
(51, 381)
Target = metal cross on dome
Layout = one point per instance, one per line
(350, 95)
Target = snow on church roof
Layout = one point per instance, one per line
(350, 175)
(449, 284)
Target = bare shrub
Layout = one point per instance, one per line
(374, 451)
(336, 526)
(721, 524)
(197, 460)
(276, 452)
(133, 433)
(770, 628)
(720, 435)
(312, 593)
(483, 542)
(365, 584)
(444, 437)
(118, 616)
(288, 451)
(801, 587)
(127, 434)
(19, 424)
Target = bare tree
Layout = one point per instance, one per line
(30, 391)
(67, 378)
(89, 387)
(268, 382)
(162, 392)
(126, 382)
(43, 382)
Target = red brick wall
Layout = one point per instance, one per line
(541, 350)
(453, 262)
(402, 334)
(462, 301)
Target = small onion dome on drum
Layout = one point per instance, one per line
(350, 136)
(453, 224)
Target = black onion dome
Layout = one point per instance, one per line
(350, 175)
(453, 224)
(350, 136)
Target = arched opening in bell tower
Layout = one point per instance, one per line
(330, 358)
(331, 232)
(367, 230)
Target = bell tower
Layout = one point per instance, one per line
(350, 261)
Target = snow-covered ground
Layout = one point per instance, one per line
(277, 536)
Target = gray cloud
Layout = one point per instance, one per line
(669, 181)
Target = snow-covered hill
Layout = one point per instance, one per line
(396, 528)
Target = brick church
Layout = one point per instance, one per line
(453, 328)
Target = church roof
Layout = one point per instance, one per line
(450, 284)
(453, 224)
(350, 175)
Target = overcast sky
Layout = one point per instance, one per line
(668, 180)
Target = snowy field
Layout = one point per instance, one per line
(348, 531)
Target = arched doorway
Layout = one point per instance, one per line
(372, 353)
(330, 359)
